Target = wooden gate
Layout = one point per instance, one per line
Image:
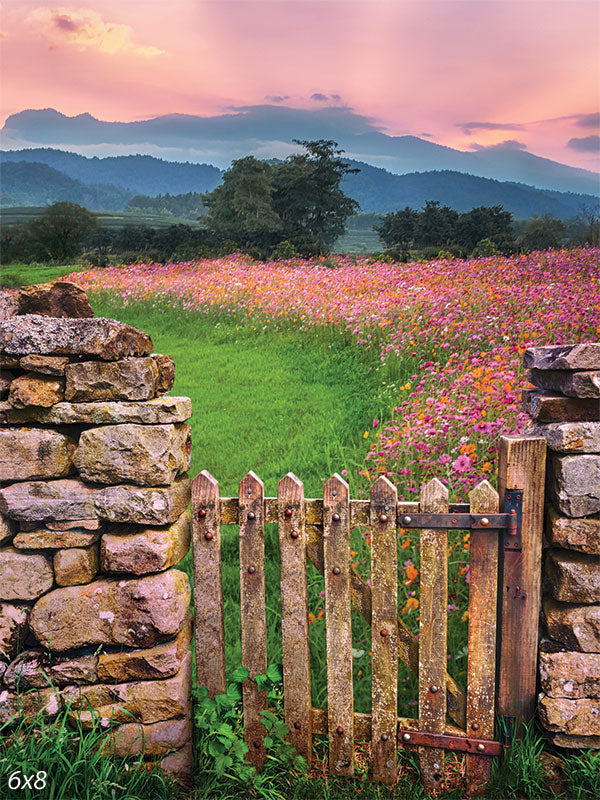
(504, 597)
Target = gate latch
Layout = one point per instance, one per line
(513, 507)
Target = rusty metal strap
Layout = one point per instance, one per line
(485, 747)
(491, 522)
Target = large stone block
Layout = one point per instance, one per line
(148, 455)
(76, 565)
(166, 372)
(14, 629)
(8, 529)
(6, 378)
(92, 524)
(34, 389)
(573, 717)
(158, 738)
(24, 576)
(47, 365)
(144, 701)
(569, 437)
(563, 356)
(577, 742)
(45, 539)
(147, 550)
(161, 661)
(136, 613)
(97, 337)
(9, 305)
(38, 669)
(55, 299)
(571, 675)
(572, 384)
(143, 505)
(578, 533)
(161, 410)
(66, 498)
(575, 626)
(573, 577)
(179, 765)
(34, 453)
(128, 379)
(577, 484)
(15, 705)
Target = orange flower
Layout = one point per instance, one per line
(405, 543)
(311, 618)
(411, 605)
(486, 466)
(411, 574)
(467, 448)
(320, 614)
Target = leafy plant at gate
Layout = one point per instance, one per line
(521, 773)
(222, 749)
(583, 775)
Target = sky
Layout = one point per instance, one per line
(463, 73)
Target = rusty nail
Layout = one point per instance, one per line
(433, 689)
(251, 570)
(406, 737)
(336, 570)
(334, 493)
(453, 519)
(407, 520)
(339, 730)
(201, 512)
(383, 632)
(256, 744)
(294, 534)
(475, 726)
(297, 726)
(208, 536)
(481, 748)
(485, 522)
(383, 518)
(436, 768)
(251, 515)
(384, 737)
(288, 512)
(336, 517)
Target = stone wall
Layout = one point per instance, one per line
(93, 518)
(565, 409)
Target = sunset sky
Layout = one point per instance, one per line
(463, 73)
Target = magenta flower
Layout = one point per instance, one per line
(462, 464)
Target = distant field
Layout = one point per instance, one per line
(354, 241)
(108, 219)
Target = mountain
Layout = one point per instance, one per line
(30, 184)
(268, 131)
(40, 176)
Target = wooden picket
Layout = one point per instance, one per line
(319, 531)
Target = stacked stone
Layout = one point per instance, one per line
(93, 518)
(565, 409)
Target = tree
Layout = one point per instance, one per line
(437, 225)
(58, 233)
(308, 199)
(240, 208)
(484, 222)
(398, 228)
(542, 232)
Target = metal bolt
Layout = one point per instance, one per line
(436, 767)
(288, 512)
(386, 508)
(251, 515)
(251, 570)
(406, 737)
(336, 517)
(336, 570)
(383, 632)
(334, 493)
(339, 730)
(407, 520)
(201, 512)
(249, 491)
(384, 737)
(297, 726)
(433, 689)
(454, 520)
(383, 518)
(475, 726)
(485, 521)
(481, 747)
(256, 744)
(294, 534)
(209, 536)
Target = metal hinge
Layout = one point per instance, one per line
(513, 507)
(485, 747)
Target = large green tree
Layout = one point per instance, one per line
(398, 228)
(58, 233)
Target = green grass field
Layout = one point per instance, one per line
(107, 219)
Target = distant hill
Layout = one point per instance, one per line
(271, 129)
(44, 175)
(30, 184)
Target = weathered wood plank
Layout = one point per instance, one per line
(522, 466)
(336, 560)
(384, 628)
(362, 725)
(408, 647)
(254, 628)
(433, 629)
(294, 614)
(208, 587)
(481, 670)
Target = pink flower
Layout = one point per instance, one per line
(375, 423)
(462, 464)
